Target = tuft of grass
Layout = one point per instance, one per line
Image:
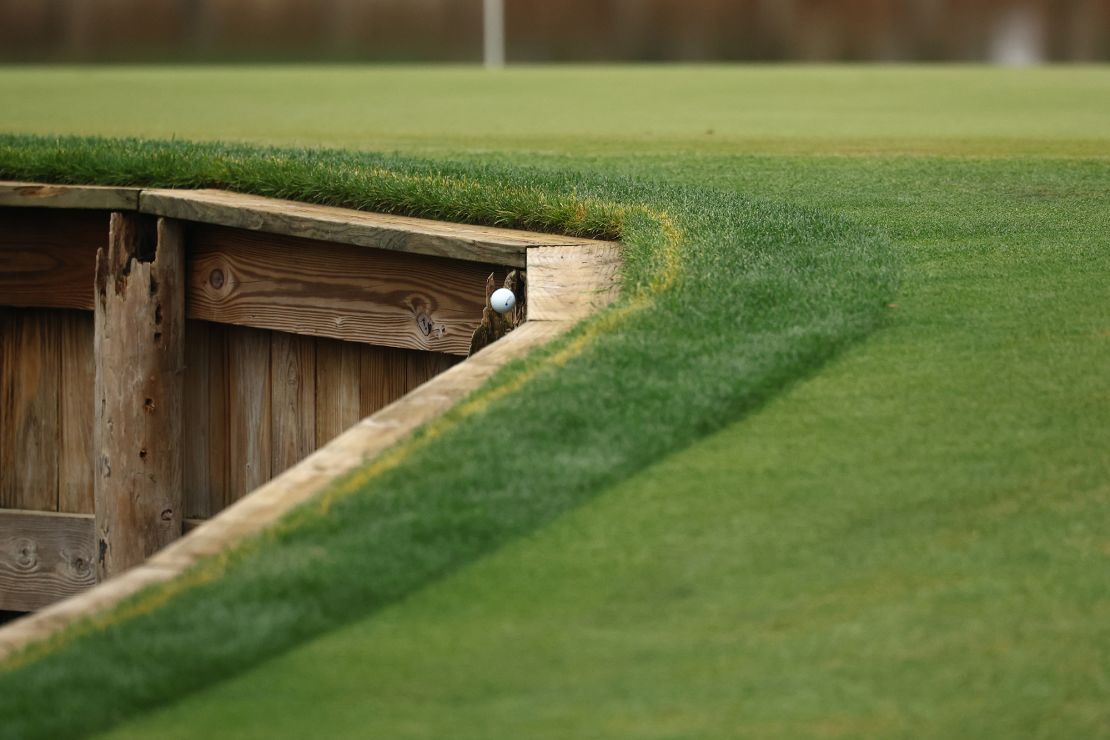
(728, 300)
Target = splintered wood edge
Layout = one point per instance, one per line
(564, 298)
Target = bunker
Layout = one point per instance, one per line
(164, 353)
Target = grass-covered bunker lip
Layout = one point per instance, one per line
(727, 300)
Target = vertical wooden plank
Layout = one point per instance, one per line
(219, 398)
(29, 436)
(195, 421)
(249, 419)
(337, 388)
(75, 412)
(140, 357)
(383, 377)
(7, 403)
(7, 395)
(423, 366)
(293, 399)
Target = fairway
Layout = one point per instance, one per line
(899, 533)
(707, 109)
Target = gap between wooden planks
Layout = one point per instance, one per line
(568, 280)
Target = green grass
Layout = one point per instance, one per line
(909, 543)
(579, 109)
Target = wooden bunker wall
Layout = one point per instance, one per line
(256, 402)
(257, 399)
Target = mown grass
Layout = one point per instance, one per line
(761, 295)
(908, 543)
(584, 110)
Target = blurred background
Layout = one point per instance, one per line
(998, 31)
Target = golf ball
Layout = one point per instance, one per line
(502, 300)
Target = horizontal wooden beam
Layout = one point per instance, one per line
(311, 287)
(346, 226)
(97, 197)
(47, 258)
(44, 557)
(326, 223)
(307, 269)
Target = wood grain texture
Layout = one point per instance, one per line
(29, 432)
(44, 557)
(293, 399)
(219, 416)
(38, 195)
(248, 411)
(346, 226)
(205, 419)
(570, 283)
(338, 379)
(269, 503)
(336, 291)
(75, 413)
(196, 422)
(47, 258)
(139, 344)
(311, 476)
(383, 377)
(423, 366)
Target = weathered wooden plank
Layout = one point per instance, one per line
(44, 557)
(39, 195)
(336, 291)
(219, 416)
(195, 421)
(337, 388)
(384, 377)
(423, 366)
(293, 488)
(249, 419)
(301, 483)
(569, 283)
(205, 419)
(29, 435)
(75, 399)
(346, 226)
(47, 258)
(293, 399)
(8, 326)
(140, 359)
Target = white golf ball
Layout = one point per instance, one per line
(502, 300)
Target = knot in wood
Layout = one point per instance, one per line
(424, 322)
(216, 278)
(27, 555)
(81, 566)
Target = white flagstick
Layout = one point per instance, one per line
(493, 26)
